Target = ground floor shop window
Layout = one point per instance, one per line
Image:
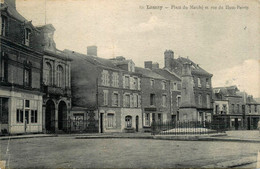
(147, 119)
(3, 110)
(128, 121)
(19, 116)
(110, 120)
(34, 116)
(159, 117)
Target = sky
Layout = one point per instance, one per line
(225, 42)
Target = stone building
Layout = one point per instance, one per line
(56, 82)
(20, 73)
(107, 90)
(235, 108)
(175, 88)
(200, 93)
(155, 97)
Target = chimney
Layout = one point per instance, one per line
(11, 3)
(168, 58)
(155, 65)
(92, 50)
(148, 65)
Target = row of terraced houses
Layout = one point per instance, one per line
(43, 89)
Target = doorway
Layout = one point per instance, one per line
(236, 124)
(50, 116)
(101, 122)
(136, 123)
(62, 116)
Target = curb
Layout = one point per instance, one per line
(24, 137)
(233, 163)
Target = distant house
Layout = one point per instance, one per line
(235, 108)
(202, 88)
(107, 90)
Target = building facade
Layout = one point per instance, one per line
(56, 83)
(201, 81)
(109, 89)
(20, 74)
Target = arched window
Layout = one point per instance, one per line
(48, 74)
(128, 121)
(60, 79)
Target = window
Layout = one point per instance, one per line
(174, 86)
(216, 109)
(135, 100)
(164, 99)
(200, 99)
(208, 101)
(27, 36)
(147, 119)
(233, 108)
(152, 83)
(127, 100)
(19, 116)
(243, 109)
(128, 121)
(249, 106)
(178, 86)
(135, 83)
(152, 99)
(207, 83)
(255, 108)
(27, 77)
(105, 102)
(110, 120)
(115, 82)
(60, 78)
(224, 108)
(238, 107)
(159, 117)
(178, 101)
(4, 68)
(48, 74)
(115, 99)
(3, 110)
(105, 78)
(199, 83)
(26, 116)
(127, 82)
(163, 85)
(4, 25)
(27, 103)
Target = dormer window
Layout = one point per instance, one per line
(199, 83)
(3, 25)
(27, 36)
(207, 83)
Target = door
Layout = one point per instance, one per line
(248, 123)
(101, 122)
(136, 123)
(236, 123)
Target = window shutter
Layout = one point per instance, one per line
(139, 100)
(123, 81)
(139, 84)
(131, 101)
(124, 100)
(131, 83)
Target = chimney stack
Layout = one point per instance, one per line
(155, 65)
(92, 50)
(168, 58)
(11, 3)
(148, 65)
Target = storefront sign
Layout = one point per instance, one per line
(28, 96)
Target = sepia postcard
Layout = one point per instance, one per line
(129, 84)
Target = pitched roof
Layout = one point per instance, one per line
(226, 91)
(195, 68)
(12, 11)
(167, 74)
(148, 73)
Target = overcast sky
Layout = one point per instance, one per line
(223, 42)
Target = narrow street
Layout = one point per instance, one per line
(64, 152)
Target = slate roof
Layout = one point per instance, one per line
(226, 91)
(167, 74)
(195, 68)
(149, 73)
(12, 11)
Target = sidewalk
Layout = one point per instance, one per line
(26, 136)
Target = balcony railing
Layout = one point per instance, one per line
(57, 90)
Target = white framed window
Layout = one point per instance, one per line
(199, 82)
(224, 108)
(178, 101)
(105, 78)
(115, 82)
(135, 83)
(174, 86)
(135, 100)
(207, 83)
(60, 78)
(208, 100)
(147, 119)
(127, 100)
(128, 121)
(110, 120)
(127, 81)
(48, 74)
(105, 99)
(3, 25)
(200, 99)
(164, 101)
(152, 83)
(163, 85)
(27, 77)
(27, 36)
(160, 117)
(115, 99)
(152, 99)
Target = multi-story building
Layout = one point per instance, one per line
(155, 97)
(201, 81)
(20, 73)
(175, 88)
(237, 109)
(56, 82)
(107, 90)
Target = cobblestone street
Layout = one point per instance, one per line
(64, 152)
